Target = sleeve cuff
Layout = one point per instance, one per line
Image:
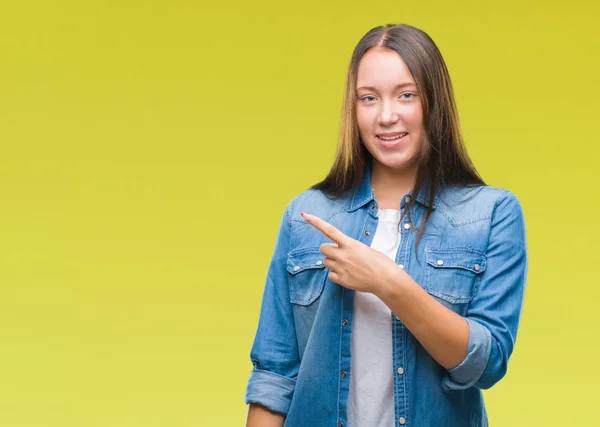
(468, 372)
(270, 390)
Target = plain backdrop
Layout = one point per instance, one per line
(148, 150)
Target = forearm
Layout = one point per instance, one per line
(442, 332)
(259, 416)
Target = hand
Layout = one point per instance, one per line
(353, 264)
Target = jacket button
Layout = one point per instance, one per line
(367, 232)
(476, 267)
(344, 374)
(340, 424)
(440, 262)
(406, 226)
(344, 322)
(401, 420)
(401, 266)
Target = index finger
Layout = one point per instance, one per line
(325, 228)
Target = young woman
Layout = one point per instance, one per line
(396, 285)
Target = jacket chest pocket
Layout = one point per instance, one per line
(452, 274)
(307, 275)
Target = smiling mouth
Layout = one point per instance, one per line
(392, 138)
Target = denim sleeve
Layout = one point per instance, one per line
(495, 312)
(274, 353)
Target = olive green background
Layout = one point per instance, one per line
(148, 149)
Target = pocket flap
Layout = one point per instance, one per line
(299, 261)
(467, 259)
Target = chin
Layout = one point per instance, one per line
(395, 161)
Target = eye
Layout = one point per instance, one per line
(411, 94)
(365, 97)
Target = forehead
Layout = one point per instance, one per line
(382, 68)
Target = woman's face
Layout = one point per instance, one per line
(388, 106)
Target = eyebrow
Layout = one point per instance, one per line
(396, 87)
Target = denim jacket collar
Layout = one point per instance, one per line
(363, 193)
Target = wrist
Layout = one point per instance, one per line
(392, 283)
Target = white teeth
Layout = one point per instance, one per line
(391, 138)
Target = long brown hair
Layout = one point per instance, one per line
(443, 158)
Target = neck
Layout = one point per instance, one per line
(389, 185)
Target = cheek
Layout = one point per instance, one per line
(364, 121)
(415, 117)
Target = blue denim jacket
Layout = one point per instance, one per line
(301, 351)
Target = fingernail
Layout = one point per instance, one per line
(306, 216)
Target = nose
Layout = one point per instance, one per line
(387, 114)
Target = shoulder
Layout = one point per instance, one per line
(470, 204)
(316, 203)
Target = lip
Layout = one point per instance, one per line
(391, 133)
(392, 144)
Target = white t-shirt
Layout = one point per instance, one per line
(371, 397)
